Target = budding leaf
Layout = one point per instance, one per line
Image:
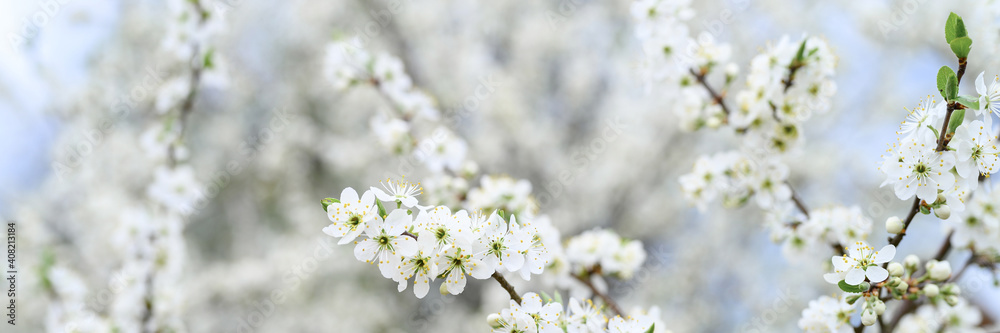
(925, 210)
(968, 101)
(936, 134)
(947, 83)
(961, 47)
(956, 120)
(849, 288)
(954, 28)
(650, 330)
(381, 209)
(800, 55)
(328, 201)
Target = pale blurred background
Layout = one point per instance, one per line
(564, 70)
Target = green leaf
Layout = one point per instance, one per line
(956, 120)
(207, 61)
(651, 327)
(961, 46)
(936, 133)
(849, 288)
(925, 210)
(558, 297)
(546, 297)
(381, 208)
(954, 28)
(328, 201)
(968, 101)
(947, 83)
(800, 55)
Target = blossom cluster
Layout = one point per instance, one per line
(534, 315)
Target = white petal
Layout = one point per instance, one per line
(833, 278)
(455, 282)
(404, 246)
(365, 250)
(349, 195)
(877, 274)
(855, 276)
(885, 254)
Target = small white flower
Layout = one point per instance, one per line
(988, 98)
(976, 150)
(399, 191)
(862, 260)
(915, 167)
(503, 244)
(351, 215)
(584, 317)
(386, 241)
(421, 266)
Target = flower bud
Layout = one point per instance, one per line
(951, 300)
(713, 122)
(894, 225)
(732, 69)
(943, 212)
(911, 262)
(941, 198)
(443, 289)
(494, 320)
(939, 270)
(879, 307)
(868, 317)
(902, 287)
(951, 289)
(895, 269)
(931, 290)
(893, 281)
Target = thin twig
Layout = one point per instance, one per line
(711, 92)
(506, 286)
(607, 299)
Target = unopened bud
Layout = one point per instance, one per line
(894, 225)
(494, 320)
(902, 287)
(943, 212)
(931, 290)
(879, 307)
(443, 289)
(911, 262)
(868, 317)
(951, 300)
(939, 270)
(895, 269)
(951, 289)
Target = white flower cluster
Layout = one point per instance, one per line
(785, 86)
(978, 227)
(944, 175)
(605, 251)
(824, 227)
(432, 242)
(736, 178)
(826, 315)
(936, 317)
(502, 193)
(534, 315)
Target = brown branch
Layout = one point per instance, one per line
(798, 202)
(506, 286)
(607, 299)
(716, 97)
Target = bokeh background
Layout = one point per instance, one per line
(564, 70)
